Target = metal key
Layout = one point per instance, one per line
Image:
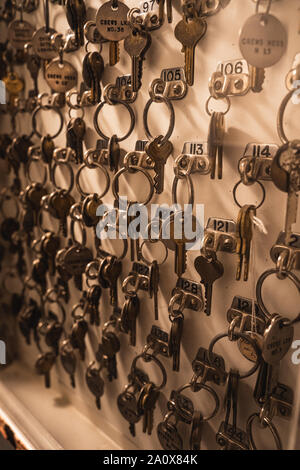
(60, 204)
(127, 405)
(95, 383)
(285, 173)
(153, 285)
(209, 269)
(189, 31)
(78, 332)
(92, 304)
(159, 152)
(133, 311)
(244, 237)
(136, 45)
(257, 78)
(75, 134)
(175, 341)
(44, 364)
(146, 404)
(68, 359)
(76, 16)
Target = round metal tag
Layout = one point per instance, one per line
(277, 340)
(169, 437)
(61, 77)
(42, 44)
(20, 33)
(263, 40)
(246, 348)
(112, 22)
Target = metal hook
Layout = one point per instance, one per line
(46, 14)
(268, 7)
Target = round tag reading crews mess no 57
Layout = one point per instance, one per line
(263, 40)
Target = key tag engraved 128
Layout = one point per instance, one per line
(61, 76)
(263, 40)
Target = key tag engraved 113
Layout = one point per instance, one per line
(263, 39)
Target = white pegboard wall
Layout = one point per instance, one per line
(252, 118)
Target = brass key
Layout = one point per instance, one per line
(244, 232)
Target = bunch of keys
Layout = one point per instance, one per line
(141, 394)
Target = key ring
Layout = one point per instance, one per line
(53, 173)
(263, 194)
(269, 424)
(149, 358)
(92, 166)
(268, 7)
(145, 260)
(159, 99)
(132, 120)
(189, 185)
(46, 108)
(202, 386)
(259, 285)
(122, 170)
(34, 158)
(280, 115)
(237, 335)
(82, 229)
(228, 102)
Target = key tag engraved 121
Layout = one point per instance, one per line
(263, 39)
(61, 76)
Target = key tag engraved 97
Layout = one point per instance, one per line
(278, 338)
(263, 39)
(61, 76)
(20, 33)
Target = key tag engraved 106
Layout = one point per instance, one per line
(263, 40)
(61, 76)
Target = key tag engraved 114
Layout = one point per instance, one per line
(263, 39)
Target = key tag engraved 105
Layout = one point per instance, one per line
(171, 84)
(61, 76)
(263, 39)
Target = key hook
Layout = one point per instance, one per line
(46, 15)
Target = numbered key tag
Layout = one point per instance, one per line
(263, 40)
(278, 338)
(139, 157)
(42, 45)
(20, 33)
(210, 371)
(242, 308)
(191, 292)
(158, 340)
(61, 76)
(232, 78)
(193, 159)
(124, 89)
(220, 235)
(171, 84)
(151, 14)
(292, 251)
(229, 438)
(256, 162)
(140, 275)
(182, 406)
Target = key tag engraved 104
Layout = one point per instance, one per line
(61, 76)
(263, 40)
(278, 338)
(20, 32)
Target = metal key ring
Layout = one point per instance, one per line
(95, 264)
(280, 114)
(82, 229)
(263, 194)
(223, 98)
(95, 165)
(162, 99)
(145, 260)
(190, 189)
(269, 424)
(122, 170)
(28, 167)
(200, 386)
(46, 108)
(237, 335)
(268, 7)
(149, 358)
(132, 120)
(259, 285)
(53, 178)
